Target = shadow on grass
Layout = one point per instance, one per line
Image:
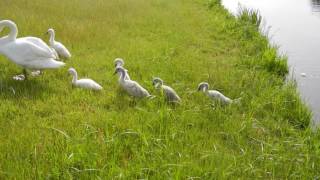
(122, 101)
(32, 89)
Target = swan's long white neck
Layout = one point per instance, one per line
(13, 29)
(159, 84)
(75, 77)
(205, 89)
(52, 36)
(123, 74)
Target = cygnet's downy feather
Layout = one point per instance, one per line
(131, 87)
(170, 94)
(215, 95)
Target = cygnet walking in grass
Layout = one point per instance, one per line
(132, 87)
(119, 62)
(62, 51)
(170, 94)
(83, 83)
(215, 95)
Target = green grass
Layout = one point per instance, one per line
(50, 130)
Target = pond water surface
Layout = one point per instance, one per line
(295, 27)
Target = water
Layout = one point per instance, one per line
(295, 27)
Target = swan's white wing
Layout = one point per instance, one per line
(61, 50)
(22, 52)
(88, 84)
(136, 89)
(55, 53)
(219, 96)
(43, 64)
(29, 55)
(171, 93)
(40, 43)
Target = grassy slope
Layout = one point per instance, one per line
(109, 135)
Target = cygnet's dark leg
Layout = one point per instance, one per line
(25, 74)
(133, 102)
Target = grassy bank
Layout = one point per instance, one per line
(50, 130)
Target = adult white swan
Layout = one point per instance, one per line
(62, 51)
(28, 52)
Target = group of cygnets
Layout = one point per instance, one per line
(135, 89)
(34, 54)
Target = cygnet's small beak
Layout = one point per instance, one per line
(115, 73)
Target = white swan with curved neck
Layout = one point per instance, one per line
(132, 87)
(83, 83)
(27, 52)
(62, 51)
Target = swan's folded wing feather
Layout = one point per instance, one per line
(132, 88)
(88, 83)
(38, 42)
(140, 90)
(27, 51)
(61, 49)
(171, 94)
